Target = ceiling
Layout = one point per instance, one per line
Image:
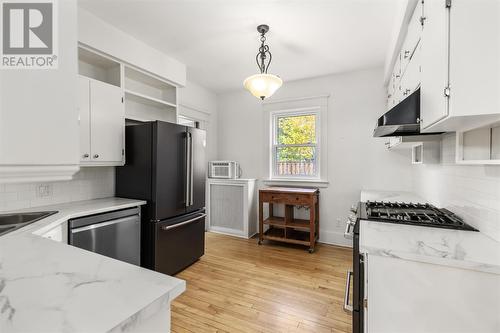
(218, 40)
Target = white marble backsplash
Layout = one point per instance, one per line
(89, 183)
(470, 191)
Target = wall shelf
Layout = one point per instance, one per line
(426, 153)
(408, 142)
(148, 98)
(141, 98)
(97, 66)
(479, 146)
(148, 85)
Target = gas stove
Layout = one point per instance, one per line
(416, 214)
(413, 214)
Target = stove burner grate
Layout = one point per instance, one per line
(414, 214)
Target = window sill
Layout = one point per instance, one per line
(297, 182)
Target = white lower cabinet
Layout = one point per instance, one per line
(408, 296)
(102, 123)
(58, 234)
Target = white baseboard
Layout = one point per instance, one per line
(334, 238)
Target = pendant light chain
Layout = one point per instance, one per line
(262, 55)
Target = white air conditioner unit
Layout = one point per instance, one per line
(224, 169)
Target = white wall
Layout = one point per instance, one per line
(199, 103)
(356, 160)
(88, 183)
(471, 192)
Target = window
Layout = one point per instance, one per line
(295, 144)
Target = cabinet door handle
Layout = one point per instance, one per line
(96, 156)
(347, 306)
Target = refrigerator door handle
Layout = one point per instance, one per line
(188, 163)
(191, 159)
(170, 227)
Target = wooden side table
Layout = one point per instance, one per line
(288, 229)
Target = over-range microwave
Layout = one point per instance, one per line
(223, 169)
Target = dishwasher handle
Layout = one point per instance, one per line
(107, 223)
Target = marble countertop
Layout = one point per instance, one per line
(460, 249)
(47, 286)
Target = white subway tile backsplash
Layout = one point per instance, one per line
(470, 191)
(88, 183)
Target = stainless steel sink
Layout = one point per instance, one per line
(10, 222)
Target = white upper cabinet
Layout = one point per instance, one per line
(434, 78)
(460, 65)
(101, 109)
(38, 115)
(412, 38)
(84, 117)
(102, 123)
(454, 58)
(107, 123)
(405, 76)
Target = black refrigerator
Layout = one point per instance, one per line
(166, 166)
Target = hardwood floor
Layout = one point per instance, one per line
(239, 286)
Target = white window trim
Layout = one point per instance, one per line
(273, 116)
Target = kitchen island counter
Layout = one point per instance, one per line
(49, 286)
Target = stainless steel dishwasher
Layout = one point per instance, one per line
(116, 234)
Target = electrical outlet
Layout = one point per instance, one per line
(44, 190)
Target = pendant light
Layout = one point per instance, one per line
(263, 85)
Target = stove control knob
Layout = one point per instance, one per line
(354, 209)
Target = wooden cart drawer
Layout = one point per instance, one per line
(292, 199)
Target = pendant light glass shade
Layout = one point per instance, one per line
(262, 85)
